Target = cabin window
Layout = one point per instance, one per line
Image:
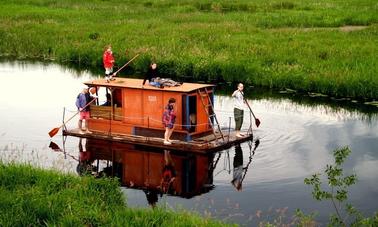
(117, 98)
(117, 104)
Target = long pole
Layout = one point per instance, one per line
(125, 65)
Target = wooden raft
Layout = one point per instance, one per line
(206, 144)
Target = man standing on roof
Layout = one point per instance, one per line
(108, 61)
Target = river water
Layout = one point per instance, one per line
(296, 139)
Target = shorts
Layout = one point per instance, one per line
(84, 115)
(169, 125)
(108, 71)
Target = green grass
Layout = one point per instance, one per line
(269, 43)
(34, 197)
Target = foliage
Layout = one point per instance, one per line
(33, 197)
(318, 46)
(338, 193)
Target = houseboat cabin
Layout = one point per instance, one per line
(133, 114)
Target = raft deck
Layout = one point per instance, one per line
(205, 144)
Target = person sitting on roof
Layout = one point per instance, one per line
(151, 73)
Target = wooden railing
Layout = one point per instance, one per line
(105, 112)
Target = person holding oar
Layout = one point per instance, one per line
(151, 73)
(54, 131)
(81, 103)
(239, 102)
(238, 109)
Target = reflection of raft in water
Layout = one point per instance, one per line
(141, 168)
(135, 114)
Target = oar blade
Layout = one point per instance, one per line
(257, 122)
(53, 132)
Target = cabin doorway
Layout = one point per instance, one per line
(117, 104)
(192, 113)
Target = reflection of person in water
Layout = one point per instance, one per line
(240, 171)
(85, 165)
(169, 173)
(238, 168)
(152, 197)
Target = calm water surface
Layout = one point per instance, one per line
(295, 141)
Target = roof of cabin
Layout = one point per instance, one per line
(137, 84)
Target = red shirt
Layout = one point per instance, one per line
(108, 59)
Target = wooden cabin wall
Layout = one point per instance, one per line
(132, 108)
(104, 126)
(152, 108)
(146, 107)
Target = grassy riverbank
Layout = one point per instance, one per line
(325, 46)
(33, 197)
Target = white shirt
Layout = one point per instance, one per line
(238, 100)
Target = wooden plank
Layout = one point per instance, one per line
(101, 112)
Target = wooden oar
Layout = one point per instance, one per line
(257, 121)
(54, 131)
(125, 65)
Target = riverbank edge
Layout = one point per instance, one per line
(326, 48)
(34, 196)
(340, 91)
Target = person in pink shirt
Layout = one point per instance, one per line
(169, 118)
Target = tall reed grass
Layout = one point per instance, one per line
(34, 197)
(313, 46)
